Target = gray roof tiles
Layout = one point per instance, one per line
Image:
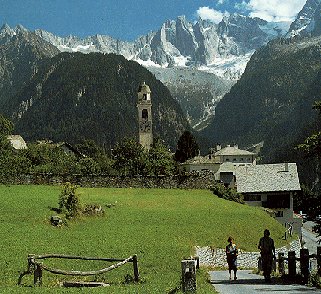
(267, 178)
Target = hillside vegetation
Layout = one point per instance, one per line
(160, 226)
(76, 96)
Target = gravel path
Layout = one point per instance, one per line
(252, 284)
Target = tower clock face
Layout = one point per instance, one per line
(145, 126)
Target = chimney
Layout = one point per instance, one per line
(218, 147)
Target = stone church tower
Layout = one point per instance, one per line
(144, 107)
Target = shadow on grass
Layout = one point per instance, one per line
(55, 209)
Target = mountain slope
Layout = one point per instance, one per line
(20, 52)
(197, 92)
(267, 100)
(74, 96)
(308, 20)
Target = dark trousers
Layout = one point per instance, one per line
(267, 260)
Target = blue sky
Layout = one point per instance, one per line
(128, 19)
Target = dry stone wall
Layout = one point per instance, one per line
(216, 257)
(191, 181)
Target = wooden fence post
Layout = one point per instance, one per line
(281, 263)
(37, 275)
(188, 276)
(319, 260)
(304, 264)
(136, 272)
(197, 261)
(292, 264)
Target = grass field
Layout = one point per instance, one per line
(160, 226)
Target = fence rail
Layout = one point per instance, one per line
(35, 267)
(304, 263)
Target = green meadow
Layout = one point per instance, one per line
(160, 226)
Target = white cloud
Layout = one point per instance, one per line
(275, 10)
(210, 14)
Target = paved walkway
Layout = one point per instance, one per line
(252, 284)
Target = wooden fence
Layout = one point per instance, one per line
(304, 260)
(36, 267)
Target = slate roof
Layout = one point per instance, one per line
(227, 167)
(200, 160)
(267, 178)
(233, 150)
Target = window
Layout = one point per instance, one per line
(252, 197)
(279, 213)
(145, 114)
(277, 201)
(144, 96)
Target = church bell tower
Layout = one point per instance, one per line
(144, 107)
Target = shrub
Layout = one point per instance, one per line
(69, 201)
(315, 279)
(227, 193)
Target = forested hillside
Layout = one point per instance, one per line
(74, 96)
(19, 57)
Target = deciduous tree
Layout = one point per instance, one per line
(130, 157)
(161, 160)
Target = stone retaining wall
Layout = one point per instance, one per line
(247, 260)
(190, 181)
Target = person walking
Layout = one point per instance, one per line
(267, 249)
(231, 256)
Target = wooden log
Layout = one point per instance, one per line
(87, 273)
(135, 265)
(75, 257)
(304, 264)
(281, 263)
(291, 264)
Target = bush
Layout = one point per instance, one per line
(227, 193)
(69, 201)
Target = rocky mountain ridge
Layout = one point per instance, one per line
(180, 42)
(308, 21)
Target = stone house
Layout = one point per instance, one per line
(271, 186)
(230, 156)
(200, 163)
(235, 155)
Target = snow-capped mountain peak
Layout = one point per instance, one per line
(308, 21)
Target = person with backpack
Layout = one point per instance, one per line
(266, 246)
